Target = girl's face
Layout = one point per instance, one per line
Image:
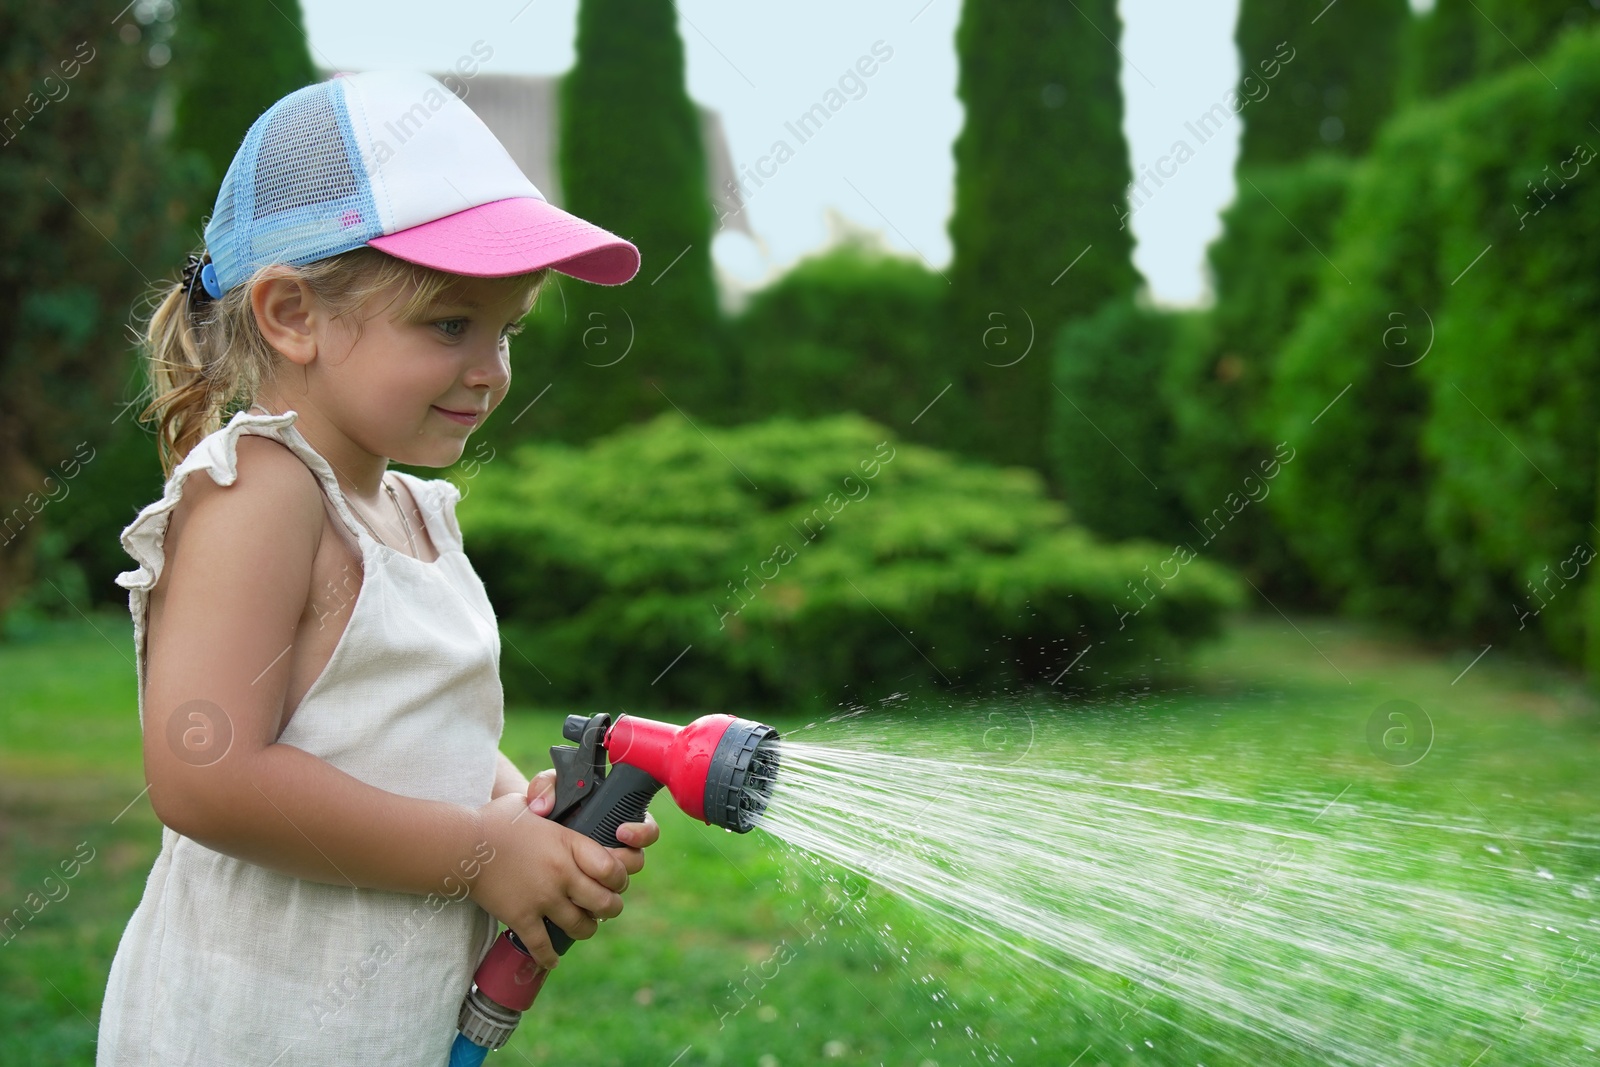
(413, 391)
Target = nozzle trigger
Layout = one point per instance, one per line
(580, 768)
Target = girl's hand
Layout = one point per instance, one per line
(541, 870)
(639, 835)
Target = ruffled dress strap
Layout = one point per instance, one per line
(218, 455)
(436, 499)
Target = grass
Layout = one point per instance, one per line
(719, 958)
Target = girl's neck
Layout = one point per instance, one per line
(360, 472)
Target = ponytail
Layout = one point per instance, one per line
(187, 378)
(206, 358)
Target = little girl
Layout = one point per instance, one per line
(318, 664)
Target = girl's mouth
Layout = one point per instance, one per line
(465, 418)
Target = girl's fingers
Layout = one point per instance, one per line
(596, 900)
(639, 834)
(542, 792)
(602, 864)
(576, 922)
(538, 945)
(632, 859)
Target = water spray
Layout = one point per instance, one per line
(719, 769)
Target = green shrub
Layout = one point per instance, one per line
(791, 563)
(850, 329)
(1111, 436)
(1514, 378)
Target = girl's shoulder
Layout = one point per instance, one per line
(280, 482)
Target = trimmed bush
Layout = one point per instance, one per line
(1352, 504)
(1111, 436)
(793, 564)
(1514, 377)
(850, 329)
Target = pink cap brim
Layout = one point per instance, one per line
(515, 236)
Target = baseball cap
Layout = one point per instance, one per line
(394, 160)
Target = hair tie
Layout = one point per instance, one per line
(198, 268)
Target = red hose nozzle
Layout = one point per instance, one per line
(710, 766)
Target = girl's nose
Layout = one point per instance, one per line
(492, 369)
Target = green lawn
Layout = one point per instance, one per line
(1259, 711)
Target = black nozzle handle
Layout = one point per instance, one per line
(622, 796)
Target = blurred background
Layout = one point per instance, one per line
(1213, 373)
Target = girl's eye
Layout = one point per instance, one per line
(452, 328)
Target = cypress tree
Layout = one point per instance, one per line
(1041, 169)
(1316, 82)
(246, 55)
(1464, 39)
(1338, 88)
(1441, 49)
(1515, 32)
(632, 160)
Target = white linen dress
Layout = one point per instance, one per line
(226, 963)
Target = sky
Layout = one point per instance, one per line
(884, 161)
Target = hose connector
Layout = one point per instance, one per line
(485, 1023)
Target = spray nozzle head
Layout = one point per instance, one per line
(743, 770)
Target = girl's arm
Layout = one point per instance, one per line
(507, 779)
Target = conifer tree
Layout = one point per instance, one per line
(632, 160)
(1304, 118)
(1338, 88)
(245, 55)
(1038, 229)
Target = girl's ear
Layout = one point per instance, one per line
(288, 316)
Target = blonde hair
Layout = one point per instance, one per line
(206, 361)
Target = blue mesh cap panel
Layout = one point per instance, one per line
(296, 191)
